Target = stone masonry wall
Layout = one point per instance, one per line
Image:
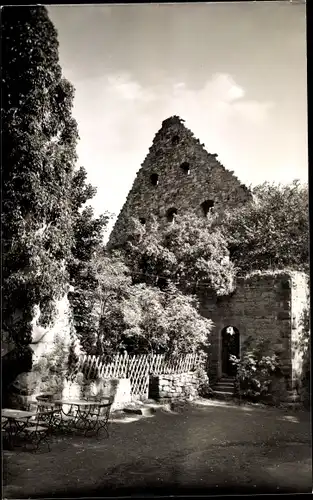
(268, 305)
(260, 306)
(174, 386)
(178, 188)
(118, 389)
(299, 337)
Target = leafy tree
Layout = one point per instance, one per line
(48, 233)
(39, 137)
(100, 284)
(168, 266)
(88, 230)
(272, 232)
(85, 261)
(187, 253)
(115, 315)
(151, 320)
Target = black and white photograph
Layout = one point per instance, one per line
(155, 297)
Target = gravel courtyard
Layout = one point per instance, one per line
(204, 447)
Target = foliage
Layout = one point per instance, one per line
(88, 230)
(100, 285)
(85, 263)
(305, 347)
(39, 139)
(168, 265)
(204, 389)
(162, 322)
(51, 366)
(255, 368)
(47, 232)
(136, 318)
(187, 253)
(272, 231)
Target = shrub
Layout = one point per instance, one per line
(204, 389)
(272, 231)
(255, 369)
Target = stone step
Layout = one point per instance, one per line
(223, 389)
(223, 395)
(145, 408)
(225, 384)
(217, 388)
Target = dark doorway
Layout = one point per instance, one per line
(230, 346)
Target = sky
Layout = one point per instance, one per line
(236, 72)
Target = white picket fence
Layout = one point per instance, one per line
(136, 368)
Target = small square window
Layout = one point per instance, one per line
(170, 214)
(207, 207)
(154, 178)
(185, 167)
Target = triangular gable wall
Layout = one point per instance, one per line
(178, 174)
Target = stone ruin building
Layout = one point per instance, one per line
(180, 176)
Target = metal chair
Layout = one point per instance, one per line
(39, 428)
(98, 417)
(45, 407)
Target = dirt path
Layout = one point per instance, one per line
(206, 445)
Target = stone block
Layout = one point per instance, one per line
(119, 389)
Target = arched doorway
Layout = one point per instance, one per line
(230, 346)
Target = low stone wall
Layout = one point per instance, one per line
(119, 389)
(175, 386)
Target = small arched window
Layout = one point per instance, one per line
(175, 140)
(185, 167)
(142, 220)
(207, 207)
(154, 178)
(171, 214)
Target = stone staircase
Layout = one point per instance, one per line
(224, 388)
